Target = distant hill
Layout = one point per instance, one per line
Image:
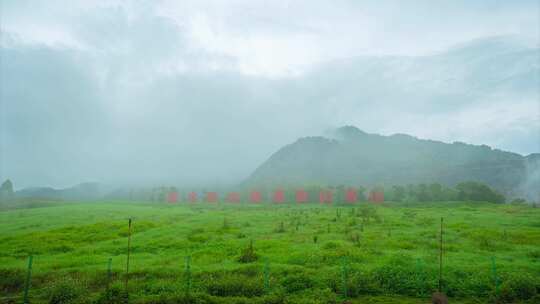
(83, 191)
(352, 157)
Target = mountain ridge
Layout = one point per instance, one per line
(355, 157)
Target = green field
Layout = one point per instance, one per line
(301, 254)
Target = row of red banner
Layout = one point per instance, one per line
(278, 196)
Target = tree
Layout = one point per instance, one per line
(423, 194)
(474, 191)
(398, 193)
(436, 191)
(361, 191)
(6, 190)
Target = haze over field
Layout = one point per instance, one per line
(203, 92)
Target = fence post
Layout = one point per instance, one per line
(266, 276)
(495, 277)
(344, 276)
(420, 274)
(28, 277)
(109, 273)
(128, 252)
(188, 274)
(440, 256)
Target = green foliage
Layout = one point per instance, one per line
(67, 291)
(398, 194)
(234, 285)
(281, 228)
(6, 190)
(225, 268)
(11, 280)
(113, 295)
(396, 160)
(367, 212)
(519, 287)
(473, 191)
(248, 254)
(518, 201)
(297, 282)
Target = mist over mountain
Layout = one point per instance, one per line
(353, 157)
(79, 192)
(202, 127)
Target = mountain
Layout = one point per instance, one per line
(353, 157)
(83, 191)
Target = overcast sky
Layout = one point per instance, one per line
(204, 91)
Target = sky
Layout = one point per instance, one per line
(202, 92)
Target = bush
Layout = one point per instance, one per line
(11, 280)
(66, 291)
(396, 277)
(361, 283)
(114, 295)
(473, 191)
(248, 255)
(234, 285)
(518, 288)
(297, 282)
(280, 228)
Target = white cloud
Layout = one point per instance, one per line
(191, 89)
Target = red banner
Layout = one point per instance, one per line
(301, 196)
(192, 197)
(351, 196)
(233, 197)
(325, 197)
(211, 197)
(172, 197)
(376, 196)
(279, 196)
(255, 197)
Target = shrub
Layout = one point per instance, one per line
(226, 224)
(330, 245)
(522, 287)
(114, 295)
(297, 282)
(234, 285)
(473, 191)
(395, 277)
(248, 255)
(281, 228)
(361, 283)
(11, 280)
(518, 201)
(66, 291)
(355, 238)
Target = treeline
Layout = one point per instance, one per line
(434, 192)
(466, 191)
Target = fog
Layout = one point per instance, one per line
(196, 92)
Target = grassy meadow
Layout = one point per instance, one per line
(268, 253)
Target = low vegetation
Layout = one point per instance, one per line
(268, 253)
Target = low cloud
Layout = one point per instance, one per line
(196, 93)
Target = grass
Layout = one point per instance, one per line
(391, 252)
